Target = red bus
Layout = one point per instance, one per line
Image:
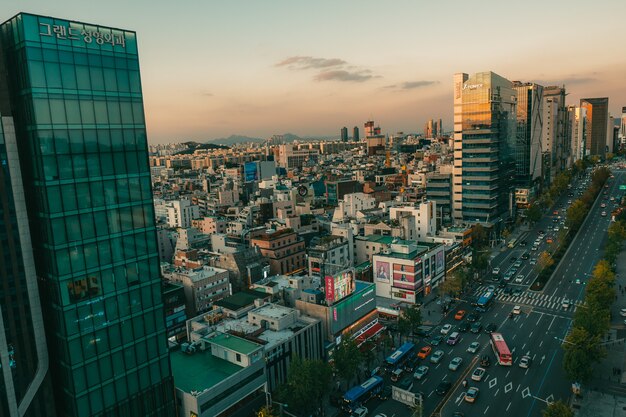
(503, 354)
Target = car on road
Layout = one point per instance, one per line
(436, 356)
(472, 317)
(517, 291)
(420, 372)
(385, 393)
(622, 312)
(513, 259)
(473, 347)
(485, 360)
(525, 361)
(565, 304)
(533, 261)
(424, 352)
(491, 327)
(406, 383)
(459, 315)
(603, 205)
(471, 394)
(495, 271)
(476, 327)
(463, 327)
(603, 214)
(435, 341)
(525, 256)
(519, 279)
(556, 229)
(534, 248)
(491, 288)
(478, 374)
(508, 276)
(360, 412)
(455, 363)
(446, 329)
(508, 291)
(502, 283)
(517, 264)
(410, 365)
(443, 387)
(454, 338)
(523, 243)
(517, 310)
(396, 374)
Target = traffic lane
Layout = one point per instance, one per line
(504, 387)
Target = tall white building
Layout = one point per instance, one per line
(351, 204)
(180, 213)
(418, 221)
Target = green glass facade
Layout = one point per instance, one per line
(76, 99)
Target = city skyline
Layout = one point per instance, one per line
(257, 70)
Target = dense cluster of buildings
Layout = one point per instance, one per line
(191, 282)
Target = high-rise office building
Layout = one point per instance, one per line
(622, 128)
(528, 143)
(25, 385)
(484, 145)
(554, 143)
(355, 134)
(597, 118)
(344, 134)
(577, 121)
(74, 97)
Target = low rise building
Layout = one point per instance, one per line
(407, 269)
(284, 250)
(203, 286)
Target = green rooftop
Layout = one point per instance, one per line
(241, 299)
(200, 370)
(234, 343)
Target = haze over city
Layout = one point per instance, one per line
(212, 69)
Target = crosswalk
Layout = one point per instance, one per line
(531, 298)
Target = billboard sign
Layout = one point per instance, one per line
(382, 271)
(339, 286)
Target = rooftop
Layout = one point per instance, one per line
(241, 299)
(199, 371)
(234, 343)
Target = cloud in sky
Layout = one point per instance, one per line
(410, 85)
(306, 62)
(342, 75)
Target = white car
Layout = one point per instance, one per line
(420, 372)
(533, 261)
(360, 412)
(556, 229)
(446, 328)
(455, 363)
(478, 374)
(436, 356)
(565, 304)
(622, 312)
(519, 279)
(495, 271)
(517, 309)
(603, 214)
(525, 361)
(473, 347)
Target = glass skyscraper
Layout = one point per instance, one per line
(484, 147)
(74, 96)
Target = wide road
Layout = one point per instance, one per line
(539, 331)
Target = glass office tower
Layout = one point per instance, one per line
(484, 151)
(75, 97)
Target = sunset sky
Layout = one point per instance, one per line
(260, 67)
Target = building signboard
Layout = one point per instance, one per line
(339, 286)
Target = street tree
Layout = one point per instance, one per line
(266, 411)
(533, 214)
(346, 359)
(308, 384)
(576, 214)
(557, 409)
(453, 284)
(544, 261)
(594, 319)
(603, 270)
(581, 350)
(414, 316)
(479, 236)
(600, 293)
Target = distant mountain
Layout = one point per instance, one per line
(234, 139)
(195, 146)
(287, 137)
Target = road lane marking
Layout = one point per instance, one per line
(553, 318)
(507, 373)
(518, 387)
(526, 392)
(486, 410)
(497, 391)
(523, 346)
(508, 406)
(493, 382)
(508, 387)
(431, 393)
(531, 333)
